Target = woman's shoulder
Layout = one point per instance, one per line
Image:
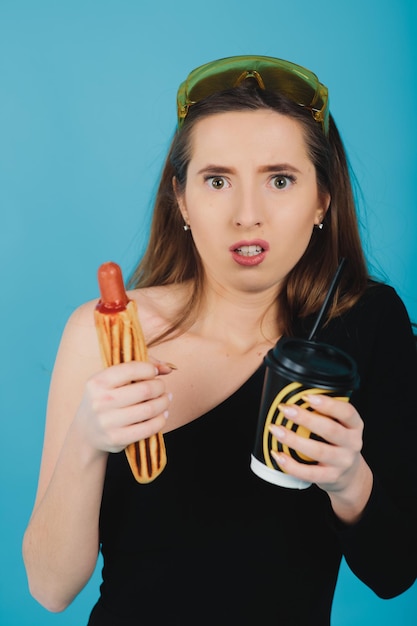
(378, 292)
(379, 316)
(79, 338)
(380, 302)
(163, 300)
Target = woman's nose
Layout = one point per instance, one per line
(248, 209)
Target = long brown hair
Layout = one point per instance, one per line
(171, 256)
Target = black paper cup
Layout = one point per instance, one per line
(296, 367)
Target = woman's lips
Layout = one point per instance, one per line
(249, 253)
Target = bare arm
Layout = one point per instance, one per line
(90, 413)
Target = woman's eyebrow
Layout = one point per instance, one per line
(278, 167)
(211, 168)
(215, 169)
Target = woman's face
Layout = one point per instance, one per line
(251, 198)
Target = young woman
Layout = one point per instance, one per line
(253, 213)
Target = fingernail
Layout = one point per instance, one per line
(166, 414)
(277, 431)
(315, 399)
(280, 458)
(289, 411)
(170, 396)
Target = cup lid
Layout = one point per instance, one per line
(317, 361)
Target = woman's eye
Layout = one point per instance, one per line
(281, 181)
(217, 182)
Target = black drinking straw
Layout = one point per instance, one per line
(327, 300)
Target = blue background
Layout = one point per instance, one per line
(87, 107)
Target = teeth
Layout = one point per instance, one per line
(249, 250)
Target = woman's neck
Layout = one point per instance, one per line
(239, 319)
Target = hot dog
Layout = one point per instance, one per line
(121, 340)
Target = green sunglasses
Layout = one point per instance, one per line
(293, 81)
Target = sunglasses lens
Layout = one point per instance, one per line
(210, 84)
(295, 82)
(301, 90)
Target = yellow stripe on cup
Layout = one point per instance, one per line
(287, 392)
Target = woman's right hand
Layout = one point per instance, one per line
(123, 404)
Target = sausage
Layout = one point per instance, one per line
(113, 297)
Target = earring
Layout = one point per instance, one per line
(320, 226)
(186, 227)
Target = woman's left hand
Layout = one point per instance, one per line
(341, 470)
